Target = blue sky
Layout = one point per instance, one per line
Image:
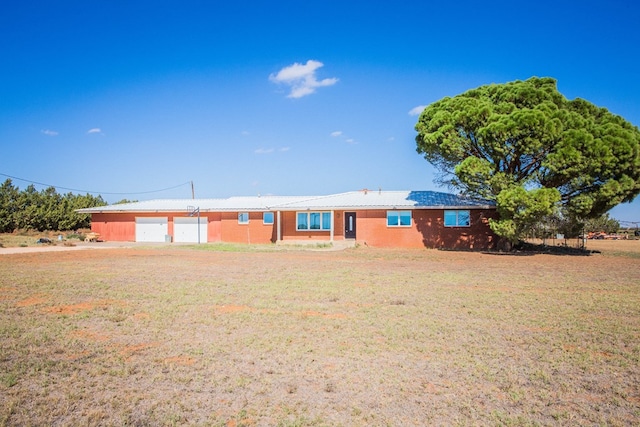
(123, 98)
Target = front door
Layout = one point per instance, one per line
(349, 225)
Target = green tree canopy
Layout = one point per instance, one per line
(525, 146)
(602, 223)
(43, 210)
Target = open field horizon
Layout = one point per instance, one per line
(258, 337)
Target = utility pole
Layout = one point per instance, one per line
(193, 192)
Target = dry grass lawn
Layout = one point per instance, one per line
(263, 337)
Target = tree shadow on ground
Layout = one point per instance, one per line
(529, 249)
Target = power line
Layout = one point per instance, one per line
(630, 223)
(93, 192)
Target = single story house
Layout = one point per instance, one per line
(377, 218)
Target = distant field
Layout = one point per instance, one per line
(252, 336)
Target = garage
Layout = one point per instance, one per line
(185, 230)
(151, 229)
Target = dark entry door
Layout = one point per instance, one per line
(349, 225)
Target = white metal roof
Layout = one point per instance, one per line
(364, 199)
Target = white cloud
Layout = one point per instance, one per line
(263, 151)
(415, 111)
(49, 132)
(271, 150)
(245, 133)
(301, 78)
(342, 136)
(94, 130)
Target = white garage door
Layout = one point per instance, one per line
(152, 229)
(186, 230)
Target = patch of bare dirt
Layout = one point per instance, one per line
(70, 309)
(32, 300)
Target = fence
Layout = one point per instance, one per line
(582, 241)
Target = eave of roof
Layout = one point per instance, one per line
(356, 200)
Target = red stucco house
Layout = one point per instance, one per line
(415, 219)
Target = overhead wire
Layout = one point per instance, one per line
(94, 192)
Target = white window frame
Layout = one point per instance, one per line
(457, 213)
(399, 214)
(264, 218)
(308, 215)
(241, 215)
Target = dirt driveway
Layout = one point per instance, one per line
(78, 246)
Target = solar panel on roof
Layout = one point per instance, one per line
(435, 198)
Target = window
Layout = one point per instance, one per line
(303, 221)
(457, 219)
(243, 218)
(313, 221)
(267, 218)
(398, 218)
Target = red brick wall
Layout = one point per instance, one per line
(371, 228)
(214, 229)
(339, 225)
(253, 232)
(118, 227)
(477, 236)
(427, 230)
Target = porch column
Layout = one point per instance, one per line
(332, 223)
(278, 229)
